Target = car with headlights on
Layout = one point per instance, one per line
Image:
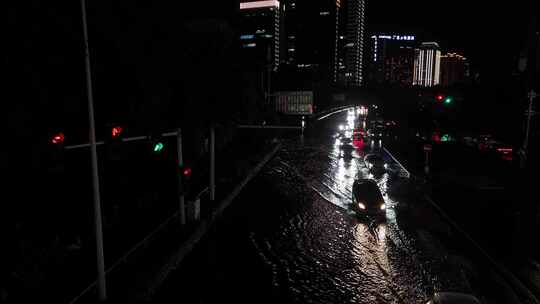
(367, 198)
(374, 163)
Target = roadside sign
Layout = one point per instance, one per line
(427, 147)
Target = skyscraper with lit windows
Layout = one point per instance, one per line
(262, 31)
(354, 47)
(427, 64)
(390, 59)
(454, 69)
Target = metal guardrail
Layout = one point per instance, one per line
(332, 111)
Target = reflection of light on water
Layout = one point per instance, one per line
(374, 240)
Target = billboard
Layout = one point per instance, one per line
(294, 102)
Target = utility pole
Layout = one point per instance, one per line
(212, 164)
(269, 75)
(181, 207)
(101, 284)
(524, 150)
(531, 76)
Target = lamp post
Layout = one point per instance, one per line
(102, 292)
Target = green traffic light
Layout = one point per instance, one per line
(448, 100)
(158, 147)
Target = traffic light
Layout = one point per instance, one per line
(439, 97)
(55, 153)
(58, 138)
(114, 143)
(448, 100)
(116, 131)
(185, 178)
(186, 173)
(157, 146)
(156, 143)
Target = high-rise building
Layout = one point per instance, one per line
(390, 59)
(261, 27)
(454, 69)
(354, 12)
(315, 32)
(324, 38)
(291, 29)
(427, 64)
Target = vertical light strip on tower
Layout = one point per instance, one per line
(276, 36)
(436, 80)
(429, 73)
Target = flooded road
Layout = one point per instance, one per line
(293, 236)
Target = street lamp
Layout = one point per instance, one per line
(102, 292)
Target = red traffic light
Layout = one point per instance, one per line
(116, 131)
(186, 172)
(440, 97)
(58, 138)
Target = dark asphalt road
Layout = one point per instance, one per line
(292, 237)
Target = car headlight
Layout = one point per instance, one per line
(341, 127)
(383, 206)
(361, 206)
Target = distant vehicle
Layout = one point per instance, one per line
(393, 169)
(486, 142)
(504, 151)
(374, 163)
(453, 298)
(345, 141)
(377, 132)
(358, 139)
(367, 198)
(339, 134)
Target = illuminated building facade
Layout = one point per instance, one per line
(427, 64)
(291, 29)
(354, 43)
(391, 59)
(261, 27)
(454, 69)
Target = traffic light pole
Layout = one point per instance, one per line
(212, 164)
(426, 165)
(532, 96)
(523, 152)
(101, 284)
(182, 207)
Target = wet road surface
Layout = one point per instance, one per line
(292, 237)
